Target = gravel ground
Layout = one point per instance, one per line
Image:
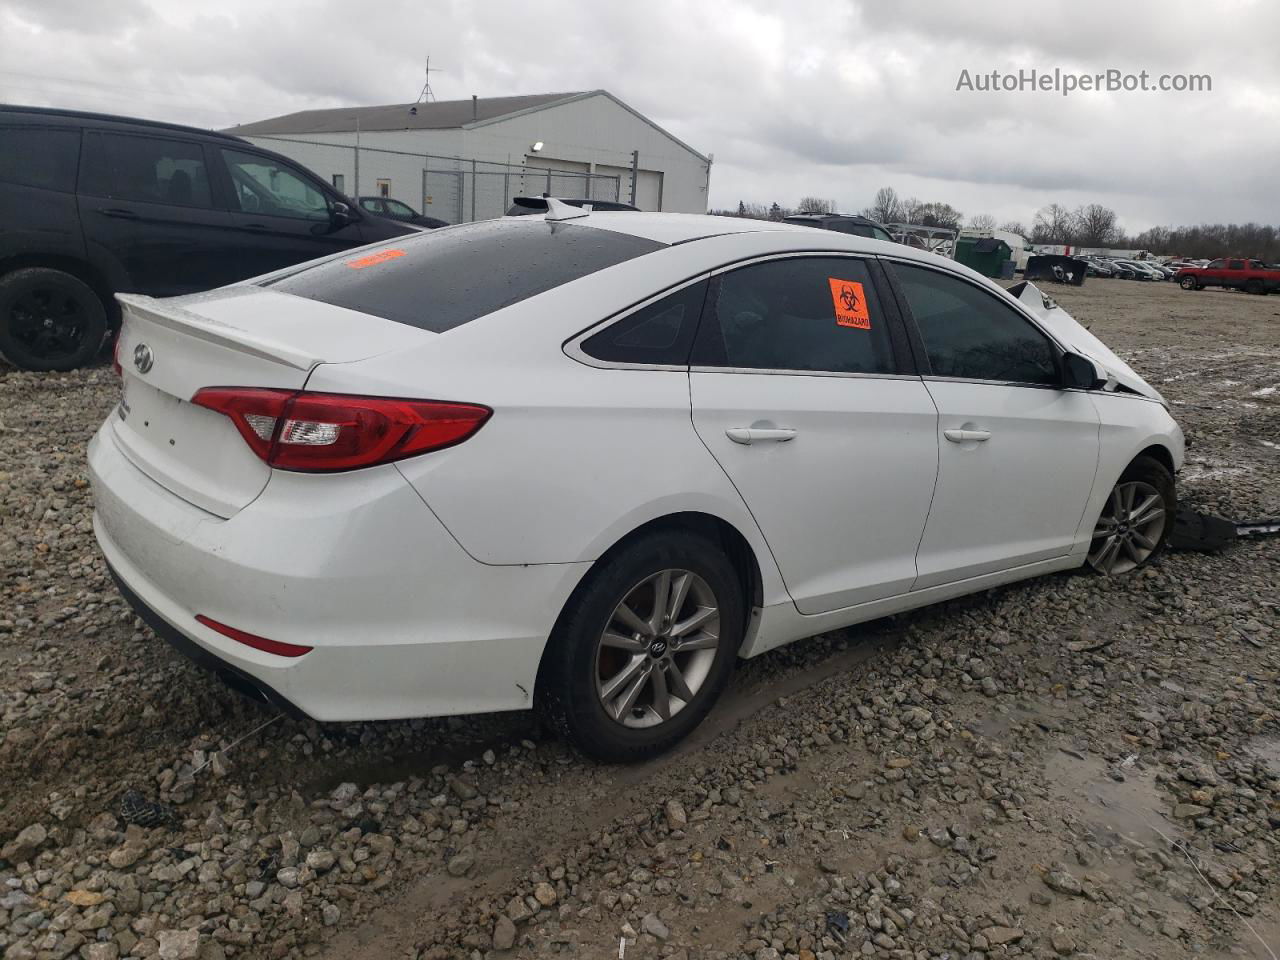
(1067, 767)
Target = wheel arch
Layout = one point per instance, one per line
(735, 544)
(1158, 452)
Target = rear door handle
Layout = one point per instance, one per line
(751, 435)
(960, 436)
(118, 213)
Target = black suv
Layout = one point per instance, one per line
(94, 205)
(841, 223)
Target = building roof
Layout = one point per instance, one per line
(437, 115)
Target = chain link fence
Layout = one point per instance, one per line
(453, 189)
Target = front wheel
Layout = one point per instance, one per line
(644, 647)
(1188, 283)
(1136, 520)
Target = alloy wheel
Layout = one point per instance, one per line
(1130, 528)
(657, 649)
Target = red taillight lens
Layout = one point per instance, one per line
(278, 647)
(319, 432)
(115, 355)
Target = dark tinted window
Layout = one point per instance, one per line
(1216, 265)
(39, 157)
(802, 313)
(661, 333)
(968, 333)
(1235, 265)
(125, 167)
(440, 280)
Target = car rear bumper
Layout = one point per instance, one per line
(401, 622)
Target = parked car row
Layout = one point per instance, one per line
(1127, 269)
(94, 205)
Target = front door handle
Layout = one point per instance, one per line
(118, 213)
(960, 436)
(751, 435)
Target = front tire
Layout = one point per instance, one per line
(1136, 520)
(49, 320)
(644, 647)
(1188, 283)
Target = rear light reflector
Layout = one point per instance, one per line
(278, 647)
(320, 432)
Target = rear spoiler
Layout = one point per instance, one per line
(194, 325)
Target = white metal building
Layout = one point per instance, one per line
(463, 159)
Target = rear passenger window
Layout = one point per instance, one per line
(149, 169)
(660, 333)
(816, 314)
(971, 335)
(43, 157)
(1235, 265)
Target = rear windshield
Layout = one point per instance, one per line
(440, 280)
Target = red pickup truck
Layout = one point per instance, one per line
(1251, 276)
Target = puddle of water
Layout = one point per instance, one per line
(1268, 751)
(1115, 811)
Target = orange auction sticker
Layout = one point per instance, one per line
(382, 256)
(850, 303)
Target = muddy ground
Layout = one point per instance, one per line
(1071, 766)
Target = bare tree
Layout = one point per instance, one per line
(1014, 226)
(910, 210)
(1053, 224)
(940, 215)
(816, 205)
(983, 222)
(885, 208)
(1095, 226)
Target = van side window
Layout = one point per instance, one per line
(44, 157)
(263, 186)
(149, 169)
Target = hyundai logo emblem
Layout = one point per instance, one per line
(143, 358)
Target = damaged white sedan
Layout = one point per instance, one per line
(585, 462)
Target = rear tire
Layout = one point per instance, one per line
(613, 689)
(1255, 287)
(1134, 528)
(49, 320)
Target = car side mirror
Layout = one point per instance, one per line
(340, 214)
(1081, 373)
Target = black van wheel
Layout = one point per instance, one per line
(49, 320)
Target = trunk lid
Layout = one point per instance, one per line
(236, 336)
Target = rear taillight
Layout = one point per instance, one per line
(317, 432)
(115, 356)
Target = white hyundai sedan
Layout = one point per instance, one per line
(585, 462)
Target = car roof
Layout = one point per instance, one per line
(672, 228)
(110, 119)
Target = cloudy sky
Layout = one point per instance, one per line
(817, 97)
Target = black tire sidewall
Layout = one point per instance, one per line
(1188, 283)
(566, 688)
(14, 285)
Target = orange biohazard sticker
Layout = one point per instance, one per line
(382, 256)
(850, 304)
